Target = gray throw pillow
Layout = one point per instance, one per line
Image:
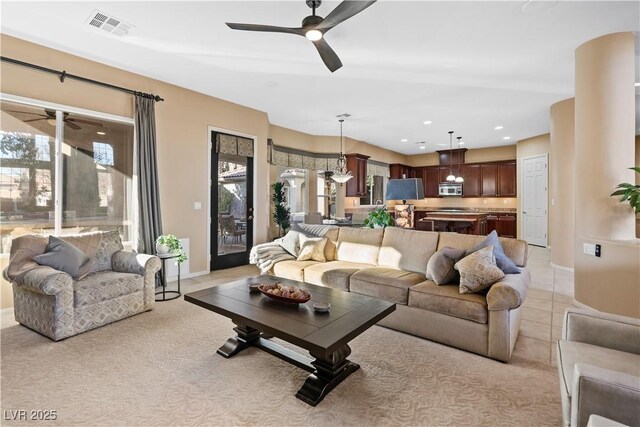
(440, 266)
(110, 243)
(62, 256)
(290, 242)
(503, 262)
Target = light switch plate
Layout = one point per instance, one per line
(197, 205)
(589, 248)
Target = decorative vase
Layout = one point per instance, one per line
(378, 226)
(162, 249)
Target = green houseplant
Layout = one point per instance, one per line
(169, 243)
(629, 192)
(379, 218)
(281, 212)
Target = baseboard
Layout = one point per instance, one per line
(187, 276)
(6, 310)
(560, 267)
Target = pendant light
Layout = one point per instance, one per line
(459, 179)
(341, 174)
(451, 177)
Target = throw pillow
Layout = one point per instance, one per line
(320, 230)
(503, 262)
(62, 256)
(312, 248)
(110, 243)
(290, 242)
(478, 271)
(440, 266)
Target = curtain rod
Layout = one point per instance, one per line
(64, 75)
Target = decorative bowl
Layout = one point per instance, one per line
(321, 307)
(264, 288)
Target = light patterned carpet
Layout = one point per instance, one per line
(161, 368)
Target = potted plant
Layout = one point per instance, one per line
(379, 218)
(169, 244)
(281, 213)
(629, 192)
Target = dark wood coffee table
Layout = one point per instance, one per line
(324, 335)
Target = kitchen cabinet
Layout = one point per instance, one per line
(445, 171)
(400, 171)
(431, 180)
(507, 179)
(357, 165)
(492, 223)
(471, 187)
(506, 225)
(489, 176)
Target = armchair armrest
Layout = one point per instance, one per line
(611, 394)
(510, 292)
(45, 280)
(131, 262)
(602, 329)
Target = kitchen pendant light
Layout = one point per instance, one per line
(459, 179)
(341, 174)
(451, 177)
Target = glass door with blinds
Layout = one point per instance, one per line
(231, 200)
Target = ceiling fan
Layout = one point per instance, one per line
(50, 117)
(314, 27)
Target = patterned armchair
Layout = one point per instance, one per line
(113, 285)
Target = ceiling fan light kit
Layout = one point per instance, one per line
(314, 27)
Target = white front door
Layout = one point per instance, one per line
(534, 200)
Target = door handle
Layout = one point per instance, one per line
(250, 218)
(524, 213)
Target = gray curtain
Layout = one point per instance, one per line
(150, 221)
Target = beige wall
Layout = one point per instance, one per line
(605, 147)
(530, 147)
(473, 155)
(562, 183)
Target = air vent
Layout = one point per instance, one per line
(109, 24)
(343, 115)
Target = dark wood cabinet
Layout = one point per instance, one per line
(400, 171)
(507, 186)
(431, 180)
(357, 164)
(471, 187)
(506, 225)
(445, 171)
(489, 175)
(492, 223)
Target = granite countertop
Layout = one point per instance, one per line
(466, 211)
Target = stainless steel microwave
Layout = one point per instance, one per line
(450, 189)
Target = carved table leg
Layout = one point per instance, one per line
(330, 371)
(245, 338)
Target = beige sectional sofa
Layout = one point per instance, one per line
(391, 263)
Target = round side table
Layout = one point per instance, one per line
(164, 291)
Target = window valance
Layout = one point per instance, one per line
(236, 145)
(378, 168)
(292, 158)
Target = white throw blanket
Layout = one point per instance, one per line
(266, 255)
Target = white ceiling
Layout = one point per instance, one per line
(465, 66)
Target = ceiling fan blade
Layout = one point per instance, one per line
(342, 12)
(265, 28)
(327, 54)
(24, 112)
(72, 125)
(35, 120)
(83, 121)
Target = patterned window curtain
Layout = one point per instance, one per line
(150, 221)
(379, 169)
(289, 158)
(235, 145)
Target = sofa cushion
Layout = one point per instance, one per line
(312, 248)
(62, 256)
(292, 269)
(572, 352)
(405, 249)
(104, 286)
(334, 274)
(448, 300)
(361, 245)
(478, 271)
(503, 262)
(440, 266)
(514, 248)
(318, 230)
(386, 283)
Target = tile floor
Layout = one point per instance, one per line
(550, 292)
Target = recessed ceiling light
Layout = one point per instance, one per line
(461, 143)
(506, 138)
(427, 122)
(442, 145)
(101, 133)
(498, 127)
(422, 147)
(404, 140)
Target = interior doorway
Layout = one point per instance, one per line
(231, 202)
(535, 199)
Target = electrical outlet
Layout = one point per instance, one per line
(197, 205)
(597, 252)
(589, 248)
